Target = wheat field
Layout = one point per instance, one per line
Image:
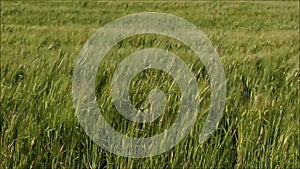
(258, 44)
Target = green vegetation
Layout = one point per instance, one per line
(258, 43)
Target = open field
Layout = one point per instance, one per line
(258, 43)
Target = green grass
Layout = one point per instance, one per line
(258, 43)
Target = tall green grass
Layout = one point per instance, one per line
(258, 43)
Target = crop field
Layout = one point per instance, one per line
(258, 45)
